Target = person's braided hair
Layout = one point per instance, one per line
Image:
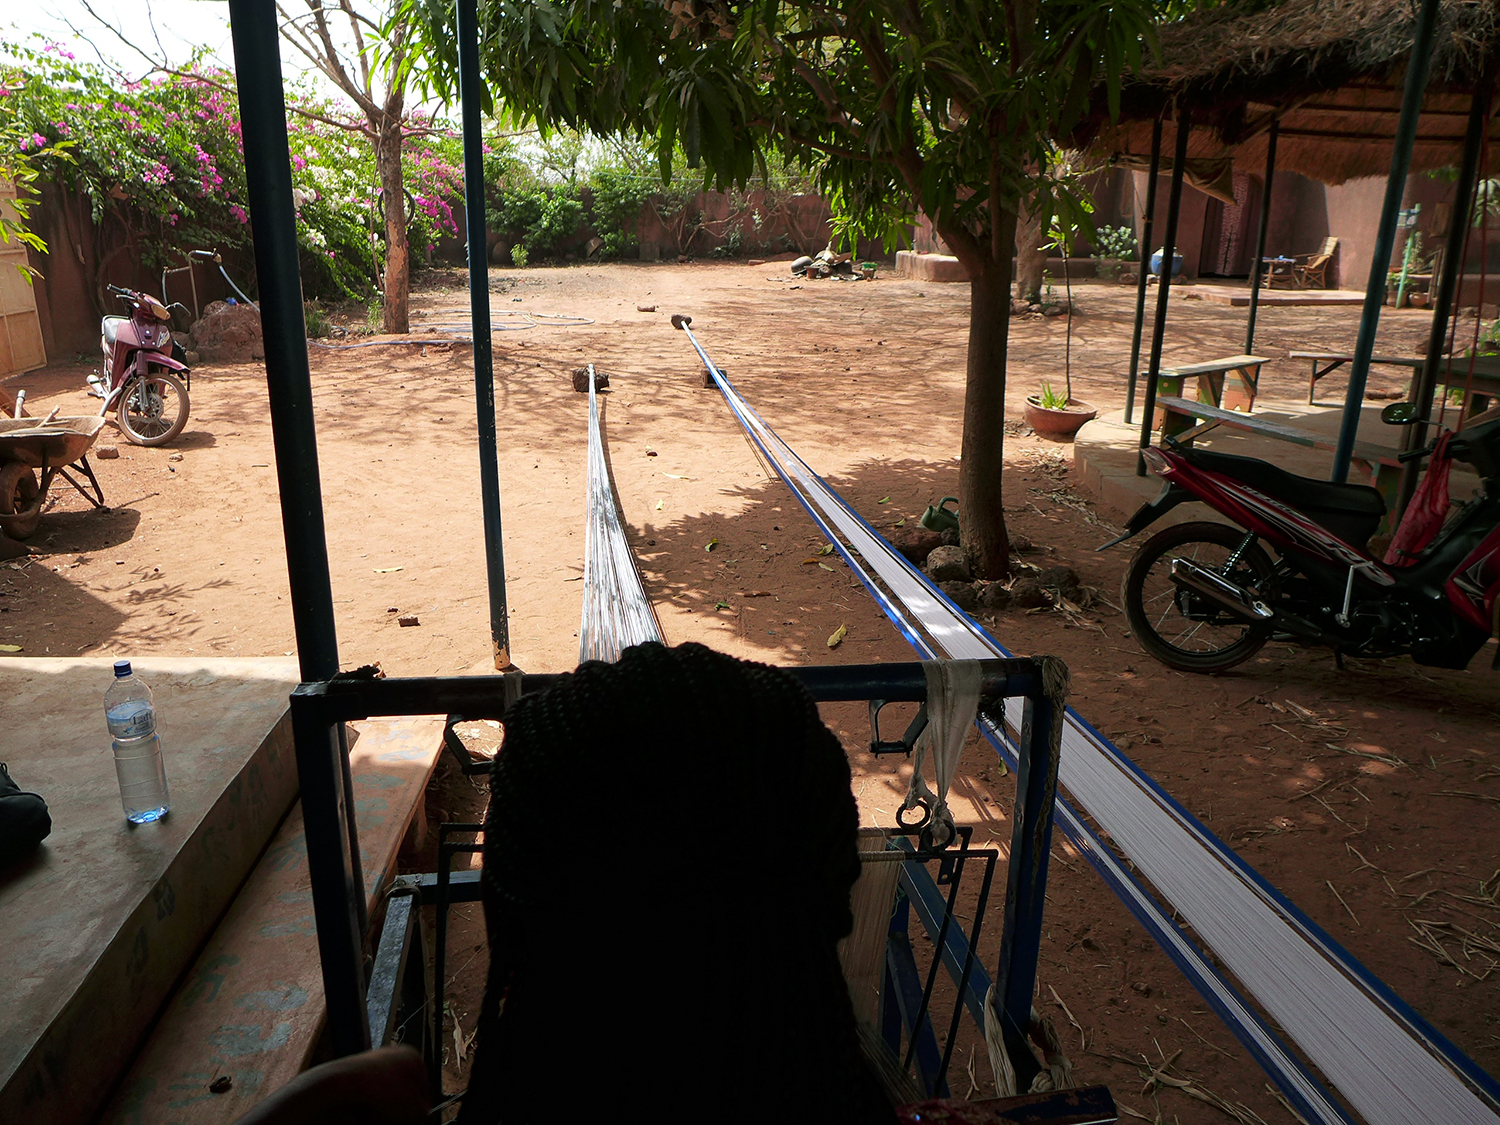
(668, 857)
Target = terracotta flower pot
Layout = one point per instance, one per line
(1059, 425)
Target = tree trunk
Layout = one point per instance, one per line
(981, 513)
(1031, 256)
(397, 255)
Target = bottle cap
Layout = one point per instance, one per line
(122, 668)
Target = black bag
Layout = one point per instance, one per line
(24, 821)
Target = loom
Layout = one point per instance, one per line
(1388, 1063)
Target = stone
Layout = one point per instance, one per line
(950, 536)
(406, 621)
(1063, 579)
(1019, 543)
(1489, 311)
(228, 334)
(593, 246)
(914, 544)
(961, 594)
(581, 380)
(106, 452)
(994, 595)
(1053, 310)
(192, 358)
(948, 564)
(1028, 594)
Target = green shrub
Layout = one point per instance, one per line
(1115, 242)
(318, 324)
(518, 256)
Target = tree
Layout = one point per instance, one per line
(20, 150)
(949, 107)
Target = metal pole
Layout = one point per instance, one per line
(1164, 283)
(1418, 65)
(1140, 281)
(1447, 288)
(322, 758)
(1260, 236)
(469, 91)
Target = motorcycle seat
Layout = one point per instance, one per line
(1350, 511)
(111, 326)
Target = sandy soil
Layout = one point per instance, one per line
(865, 380)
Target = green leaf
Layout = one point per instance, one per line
(712, 543)
(826, 549)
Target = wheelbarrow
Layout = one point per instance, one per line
(52, 446)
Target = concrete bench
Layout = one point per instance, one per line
(1230, 383)
(250, 1009)
(1371, 464)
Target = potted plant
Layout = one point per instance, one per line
(1057, 416)
(1113, 248)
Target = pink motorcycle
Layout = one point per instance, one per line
(142, 367)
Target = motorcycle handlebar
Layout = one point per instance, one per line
(205, 255)
(1413, 454)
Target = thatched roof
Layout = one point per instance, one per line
(1330, 70)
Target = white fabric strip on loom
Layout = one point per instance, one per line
(616, 611)
(1389, 1075)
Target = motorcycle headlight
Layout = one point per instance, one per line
(1156, 460)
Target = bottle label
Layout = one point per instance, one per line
(135, 719)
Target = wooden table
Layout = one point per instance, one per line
(1485, 384)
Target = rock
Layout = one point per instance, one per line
(950, 537)
(645, 308)
(994, 596)
(756, 262)
(408, 620)
(192, 358)
(228, 334)
(682, 259)
(593, 246)
(500, 253)
(175, 457)
(961, 594)
(948, 564)
(1140, 988)
(1063, 579)
(106, 452)
(1019, 543)
(1053, 310)
(801, 264)
(914, 544)
(581, 380)
(1028, 594)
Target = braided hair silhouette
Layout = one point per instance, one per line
(668, 856)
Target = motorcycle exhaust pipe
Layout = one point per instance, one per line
(1223, 593)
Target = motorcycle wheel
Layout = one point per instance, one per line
(1180, 628)
(153, 408)
(20, 500)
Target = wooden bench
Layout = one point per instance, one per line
(1230, 383)
(1486, 380)
(250, 1009)
(1371, 464)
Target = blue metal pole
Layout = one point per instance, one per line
(1163, 283)
(1417, 67)
(470, 91)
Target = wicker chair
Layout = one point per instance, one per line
(1311, 270)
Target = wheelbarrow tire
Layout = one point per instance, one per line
(144, 428)
(20, 500)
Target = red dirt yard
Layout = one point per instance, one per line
(1368, 796)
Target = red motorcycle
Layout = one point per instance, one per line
(1203, 597)
(142, 364)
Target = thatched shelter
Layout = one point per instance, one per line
(1330, 70)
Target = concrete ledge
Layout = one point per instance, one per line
(95, 930)
(929, 267)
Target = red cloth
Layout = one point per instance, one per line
(1427, 511)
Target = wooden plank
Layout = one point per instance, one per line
(1217, 366)
(1348, 357)
(251, 1008)
(1267, 428)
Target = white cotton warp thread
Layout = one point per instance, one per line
(616, 611)
(1388, 1074)
(952, 705)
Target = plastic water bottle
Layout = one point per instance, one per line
(137, 747)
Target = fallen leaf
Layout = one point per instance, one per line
(827, 549)
(721, 605)
(899, 523)
(674, 476)
(838, 636)
(712, 543)
(826, 567)
(10, 648)
(658, 505)
(388, 569)
(884, 500)
(811, 560)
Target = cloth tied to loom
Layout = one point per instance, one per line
(952, 703)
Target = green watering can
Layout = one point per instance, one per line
(939, 518)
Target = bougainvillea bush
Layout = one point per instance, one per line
(162, 160)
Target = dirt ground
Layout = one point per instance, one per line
(1387, 843)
